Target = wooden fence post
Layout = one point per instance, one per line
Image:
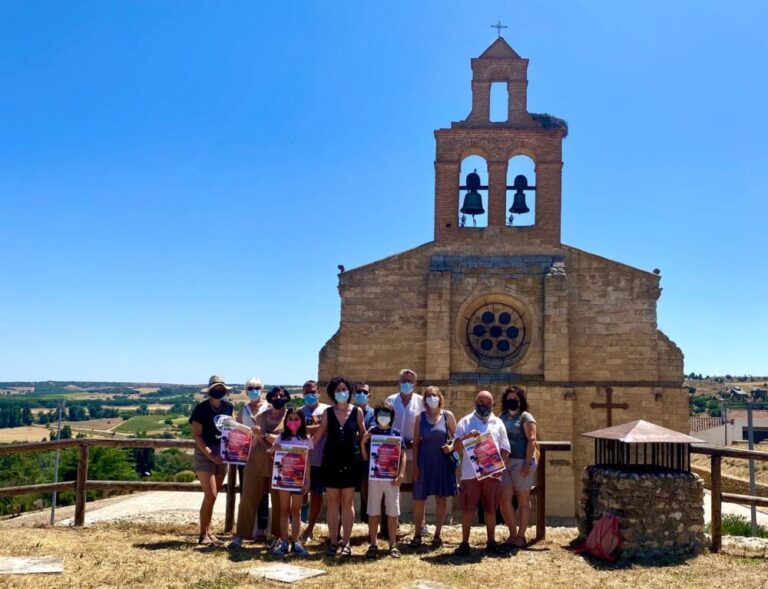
(229, 517)
(541, 496)
(716, 504)
(82, 477)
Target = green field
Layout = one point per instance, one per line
(145, 423)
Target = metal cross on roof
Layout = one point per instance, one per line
(498, 26)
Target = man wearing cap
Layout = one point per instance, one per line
(209, 468)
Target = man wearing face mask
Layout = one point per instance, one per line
(408, 406)
(312, 411)
(473, 491)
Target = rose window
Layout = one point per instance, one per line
(496, 333)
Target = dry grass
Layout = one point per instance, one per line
(23, 434)
(163, 556)
(94, 424)
(735, 467)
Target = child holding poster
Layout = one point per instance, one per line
(385, 447)
(293, 436)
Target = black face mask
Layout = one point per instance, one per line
(279, 403)
(511, 404)
(217, 393)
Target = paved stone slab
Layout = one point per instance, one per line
(30, 565)
(286, 573)
(427, 585)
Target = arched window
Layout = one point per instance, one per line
(473, 192)
(519, 193)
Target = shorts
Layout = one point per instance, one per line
(513, 478)
(391, 495)
(204, 464)
(315, 480)
(472, 492)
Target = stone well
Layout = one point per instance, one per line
(661, 511)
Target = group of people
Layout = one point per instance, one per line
(337, 436)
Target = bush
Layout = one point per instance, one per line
(185, 476)
(738, 525)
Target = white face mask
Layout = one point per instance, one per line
(432, 401)
(383, 420)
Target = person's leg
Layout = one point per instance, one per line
(208, 483)
(373, 528)
(466, 524)
(275, 524)
(332, 514)
(295, 502)
(392, 530)
(524, 508)
(490, 489)
(262, 515)
(507, 511)
(418, 515)
(246, 512)
(364, 498)
(441, 504)
(219, 477)
(284, 511)
(347, 513)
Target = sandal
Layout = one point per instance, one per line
(394, 552)
(518, 542)
(437, 542)
(332, 550)
(372, 552)
(346, 550)
(204, 540)
(415, 542)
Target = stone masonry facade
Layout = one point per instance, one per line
(586, 324)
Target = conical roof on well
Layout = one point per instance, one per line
(642, 432)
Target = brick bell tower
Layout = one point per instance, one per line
(536, 136)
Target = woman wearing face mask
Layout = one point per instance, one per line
(343, 423)
(521, 465)
(247, 416)
(209, 468)
(258, 469)
(434, 469)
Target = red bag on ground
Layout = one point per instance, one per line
(604, 541)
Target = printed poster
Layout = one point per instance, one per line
(484, 455)
(290, 467)
(235, 444)
(385, 458)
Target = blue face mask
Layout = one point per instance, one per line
(310, 399)
(341, 396)
(361, 397)
(406, 388)
(254, 395)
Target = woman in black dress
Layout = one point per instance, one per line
(343, 422)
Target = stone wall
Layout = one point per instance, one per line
(730, 484)
(661, 513)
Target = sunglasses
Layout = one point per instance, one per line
(253, 388)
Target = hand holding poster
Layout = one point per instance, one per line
(385, 458)
(235, 445)
(484, 455)
(290, 467)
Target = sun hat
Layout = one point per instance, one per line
(215, 381)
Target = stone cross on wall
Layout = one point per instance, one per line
(609, 405)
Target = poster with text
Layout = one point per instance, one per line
(235, 445)
(484, 455)
(290, 467)
(385, 458)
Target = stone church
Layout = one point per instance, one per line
(481, 307)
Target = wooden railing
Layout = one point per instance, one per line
(716, 455)
(81, 484)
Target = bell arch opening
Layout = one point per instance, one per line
(499, 107)
(521, 193)
(473, 193)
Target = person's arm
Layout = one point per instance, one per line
(365, 445)
(461, 437)
(321, 428)
(401, 471)
(416, 440)
(529, 427)
(197, 435)
(360, 424)
(450, 424)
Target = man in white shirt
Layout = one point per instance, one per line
(408, 405)
(487, 490)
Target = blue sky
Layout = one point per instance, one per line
(179, 180)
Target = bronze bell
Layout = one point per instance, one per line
(473, 202)
(518, 205)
